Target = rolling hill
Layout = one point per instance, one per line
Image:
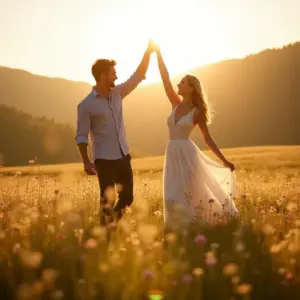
(256, 101)
(24, 138)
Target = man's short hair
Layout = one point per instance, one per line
(102, 66)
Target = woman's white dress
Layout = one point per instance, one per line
(194, 185)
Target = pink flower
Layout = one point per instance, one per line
(148, 274)
(200, 239)
(187, 278)
(210, 261)
(90, 244)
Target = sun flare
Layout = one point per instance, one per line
(177, 27)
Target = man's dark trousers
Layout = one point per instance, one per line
(110, 173)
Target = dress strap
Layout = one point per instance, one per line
(193, 114)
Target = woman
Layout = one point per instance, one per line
(203, 188)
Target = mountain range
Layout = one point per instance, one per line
(255, 100)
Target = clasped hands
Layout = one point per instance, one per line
(152, 46)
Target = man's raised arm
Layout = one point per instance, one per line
(138, 76)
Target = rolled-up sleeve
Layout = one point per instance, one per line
(130, 84)
(83, 124)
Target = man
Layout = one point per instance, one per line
(100, 115)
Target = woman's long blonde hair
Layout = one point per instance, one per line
(198, 97)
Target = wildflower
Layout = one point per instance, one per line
(98, 231)
(210, 259)
(135, 242)
(155, 295)
(57, 295)
(157, 244)
(197, 272)
(292, 207)
(90, 244)
(128, 210)
(187, 278)
(240, 247)
(158, 214)
(275, 248)
(282, 271)
(214, 246)
(244, 289)
(16, 248)
(139, 253)
(147, 232)
(31, 260)
(104, 267)
(230, 269)
(148, 274)
(268, 229)
(115, 259)
(239, 232)
(81, 281)
(200, 239)
(171, 238)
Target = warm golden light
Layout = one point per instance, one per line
(71, 34)
(177, 27)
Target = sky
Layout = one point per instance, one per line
(62, 38)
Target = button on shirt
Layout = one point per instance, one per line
(102, 119)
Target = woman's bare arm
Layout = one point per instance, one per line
(210, 142)
(172, 96)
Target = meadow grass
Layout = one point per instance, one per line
(51, 246)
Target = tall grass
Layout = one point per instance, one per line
(51, 246)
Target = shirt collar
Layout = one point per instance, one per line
(95, 93)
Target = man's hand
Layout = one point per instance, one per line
(152, 46)
(89, 168)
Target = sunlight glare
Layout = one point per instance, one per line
(176, 27)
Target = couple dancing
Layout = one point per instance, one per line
(199, 185)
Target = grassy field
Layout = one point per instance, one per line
(248, 158)
(51, 246)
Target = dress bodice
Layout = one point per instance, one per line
(184, 126)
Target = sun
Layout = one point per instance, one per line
(180, 29)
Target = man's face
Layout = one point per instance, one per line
(111, 77)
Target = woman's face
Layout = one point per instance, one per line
(184, 88)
